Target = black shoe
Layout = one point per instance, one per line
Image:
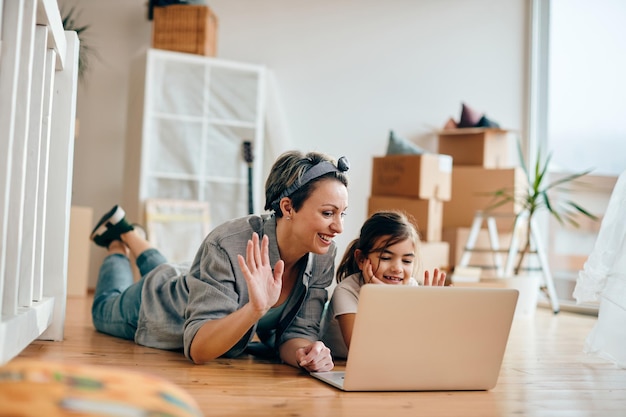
(110, 227)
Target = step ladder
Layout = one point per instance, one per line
(504, 270)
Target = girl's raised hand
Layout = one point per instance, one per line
(264, 285)
(439, 278)
(368, 273)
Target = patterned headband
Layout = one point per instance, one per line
(315, 171)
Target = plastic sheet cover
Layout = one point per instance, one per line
(603, 281)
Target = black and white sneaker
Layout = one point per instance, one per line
(110, 227)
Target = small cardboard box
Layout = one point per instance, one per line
(185, 28)
(485, 147)
(428, 214)
(472, 190)
(433, 255)
(81, 223)
(417, 176)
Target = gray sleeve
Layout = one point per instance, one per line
(306, 324)
(214, 292)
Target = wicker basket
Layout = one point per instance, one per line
(185, 28)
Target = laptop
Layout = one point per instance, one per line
(426, 339)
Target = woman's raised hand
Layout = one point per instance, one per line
(264, 285)
(439, 278)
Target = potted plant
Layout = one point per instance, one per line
(533, 200)
(537, 198)
(69, 19)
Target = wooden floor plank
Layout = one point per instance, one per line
(544, 373)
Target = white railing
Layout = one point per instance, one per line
(38, 78)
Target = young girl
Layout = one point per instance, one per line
(384, 253)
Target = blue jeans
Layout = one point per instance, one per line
(117, 298)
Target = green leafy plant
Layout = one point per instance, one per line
(69, 19)
(537, 197)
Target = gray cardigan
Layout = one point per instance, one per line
(176, 303)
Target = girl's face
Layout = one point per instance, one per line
(320, 218)
(391, 265)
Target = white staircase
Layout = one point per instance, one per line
(38, 79)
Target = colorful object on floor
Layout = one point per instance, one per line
(42, 388)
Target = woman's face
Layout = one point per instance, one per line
(320, 218)
(391, 265)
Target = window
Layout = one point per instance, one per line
(586, 86)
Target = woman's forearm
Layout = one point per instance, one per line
(288, 350)
(311, 356)
(216, 337)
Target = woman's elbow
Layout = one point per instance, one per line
(202, 358)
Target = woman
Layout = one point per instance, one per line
(215, 307)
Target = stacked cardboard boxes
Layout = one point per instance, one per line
(417, 185)
(481, 167)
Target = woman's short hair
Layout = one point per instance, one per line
(285, 177)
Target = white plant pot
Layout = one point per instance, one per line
(528, 287)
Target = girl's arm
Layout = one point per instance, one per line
(346, 324)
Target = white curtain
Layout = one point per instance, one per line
(603, 281)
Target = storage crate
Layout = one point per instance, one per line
(185, 28)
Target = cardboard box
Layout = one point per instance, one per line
(417, 176)
(433, 255)
(81, 223)
(185, 28)
(428, 214)
(472, 190)
(484, 147)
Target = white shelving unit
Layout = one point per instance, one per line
(188, 117)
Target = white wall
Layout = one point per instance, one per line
(347, 71)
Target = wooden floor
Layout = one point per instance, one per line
(544, 373)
